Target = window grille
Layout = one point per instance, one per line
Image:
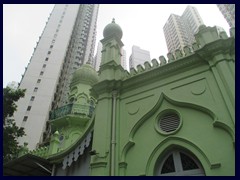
(178, 163)
(169, 122)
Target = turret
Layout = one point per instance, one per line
(111, 52)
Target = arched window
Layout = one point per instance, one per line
(179, 163)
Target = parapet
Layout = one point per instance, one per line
(205, 35)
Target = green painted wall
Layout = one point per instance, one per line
(198, 85)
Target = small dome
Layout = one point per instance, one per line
(85, 74)
(112, 29)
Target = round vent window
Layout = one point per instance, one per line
(169, 122)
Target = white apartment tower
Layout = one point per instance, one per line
(228, 11)
(66, 43)
(138, 56)
(179, 30)
(97, 58)
(124, 59)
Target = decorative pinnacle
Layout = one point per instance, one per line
(113, 20)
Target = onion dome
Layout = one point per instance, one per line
(85, 75)
(112, 29)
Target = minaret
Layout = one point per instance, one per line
(111, 51)
(104, 160)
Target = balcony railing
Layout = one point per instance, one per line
(76, 109)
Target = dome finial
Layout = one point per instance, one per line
(112, 29)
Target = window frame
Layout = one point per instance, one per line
(29, 108)
(178, 165)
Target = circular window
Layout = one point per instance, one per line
(169, 122)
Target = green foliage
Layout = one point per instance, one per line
(10, 96)
(10, 130)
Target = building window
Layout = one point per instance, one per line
(29, 108)
(39, 80)
(179, 163)
(51, 46)
(25, 118)
(32, 98)
(35, 89)
(49, 52)
(46, 59)
(41, 73)
(44, 65)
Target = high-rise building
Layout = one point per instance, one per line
(138, 56)
(179, 30)
(66, 43)
(98, 56)
(228, 11)
(175, 33)
(124, 59)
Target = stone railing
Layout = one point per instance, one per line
(76, 109)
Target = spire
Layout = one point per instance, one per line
(113, 20)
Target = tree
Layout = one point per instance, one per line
(10, 130)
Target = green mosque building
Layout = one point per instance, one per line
(173, 118)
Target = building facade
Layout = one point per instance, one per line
(124, 59)
(66, 43)
(138, 56)
(173, 118)
(97, 57)
(228, 11)
(179, 30)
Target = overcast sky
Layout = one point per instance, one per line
(142, 25)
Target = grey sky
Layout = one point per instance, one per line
(142, 25)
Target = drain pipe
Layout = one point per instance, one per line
(113, 133)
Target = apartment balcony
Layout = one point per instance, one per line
(72, 109)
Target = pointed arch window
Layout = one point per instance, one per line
(179, 163)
